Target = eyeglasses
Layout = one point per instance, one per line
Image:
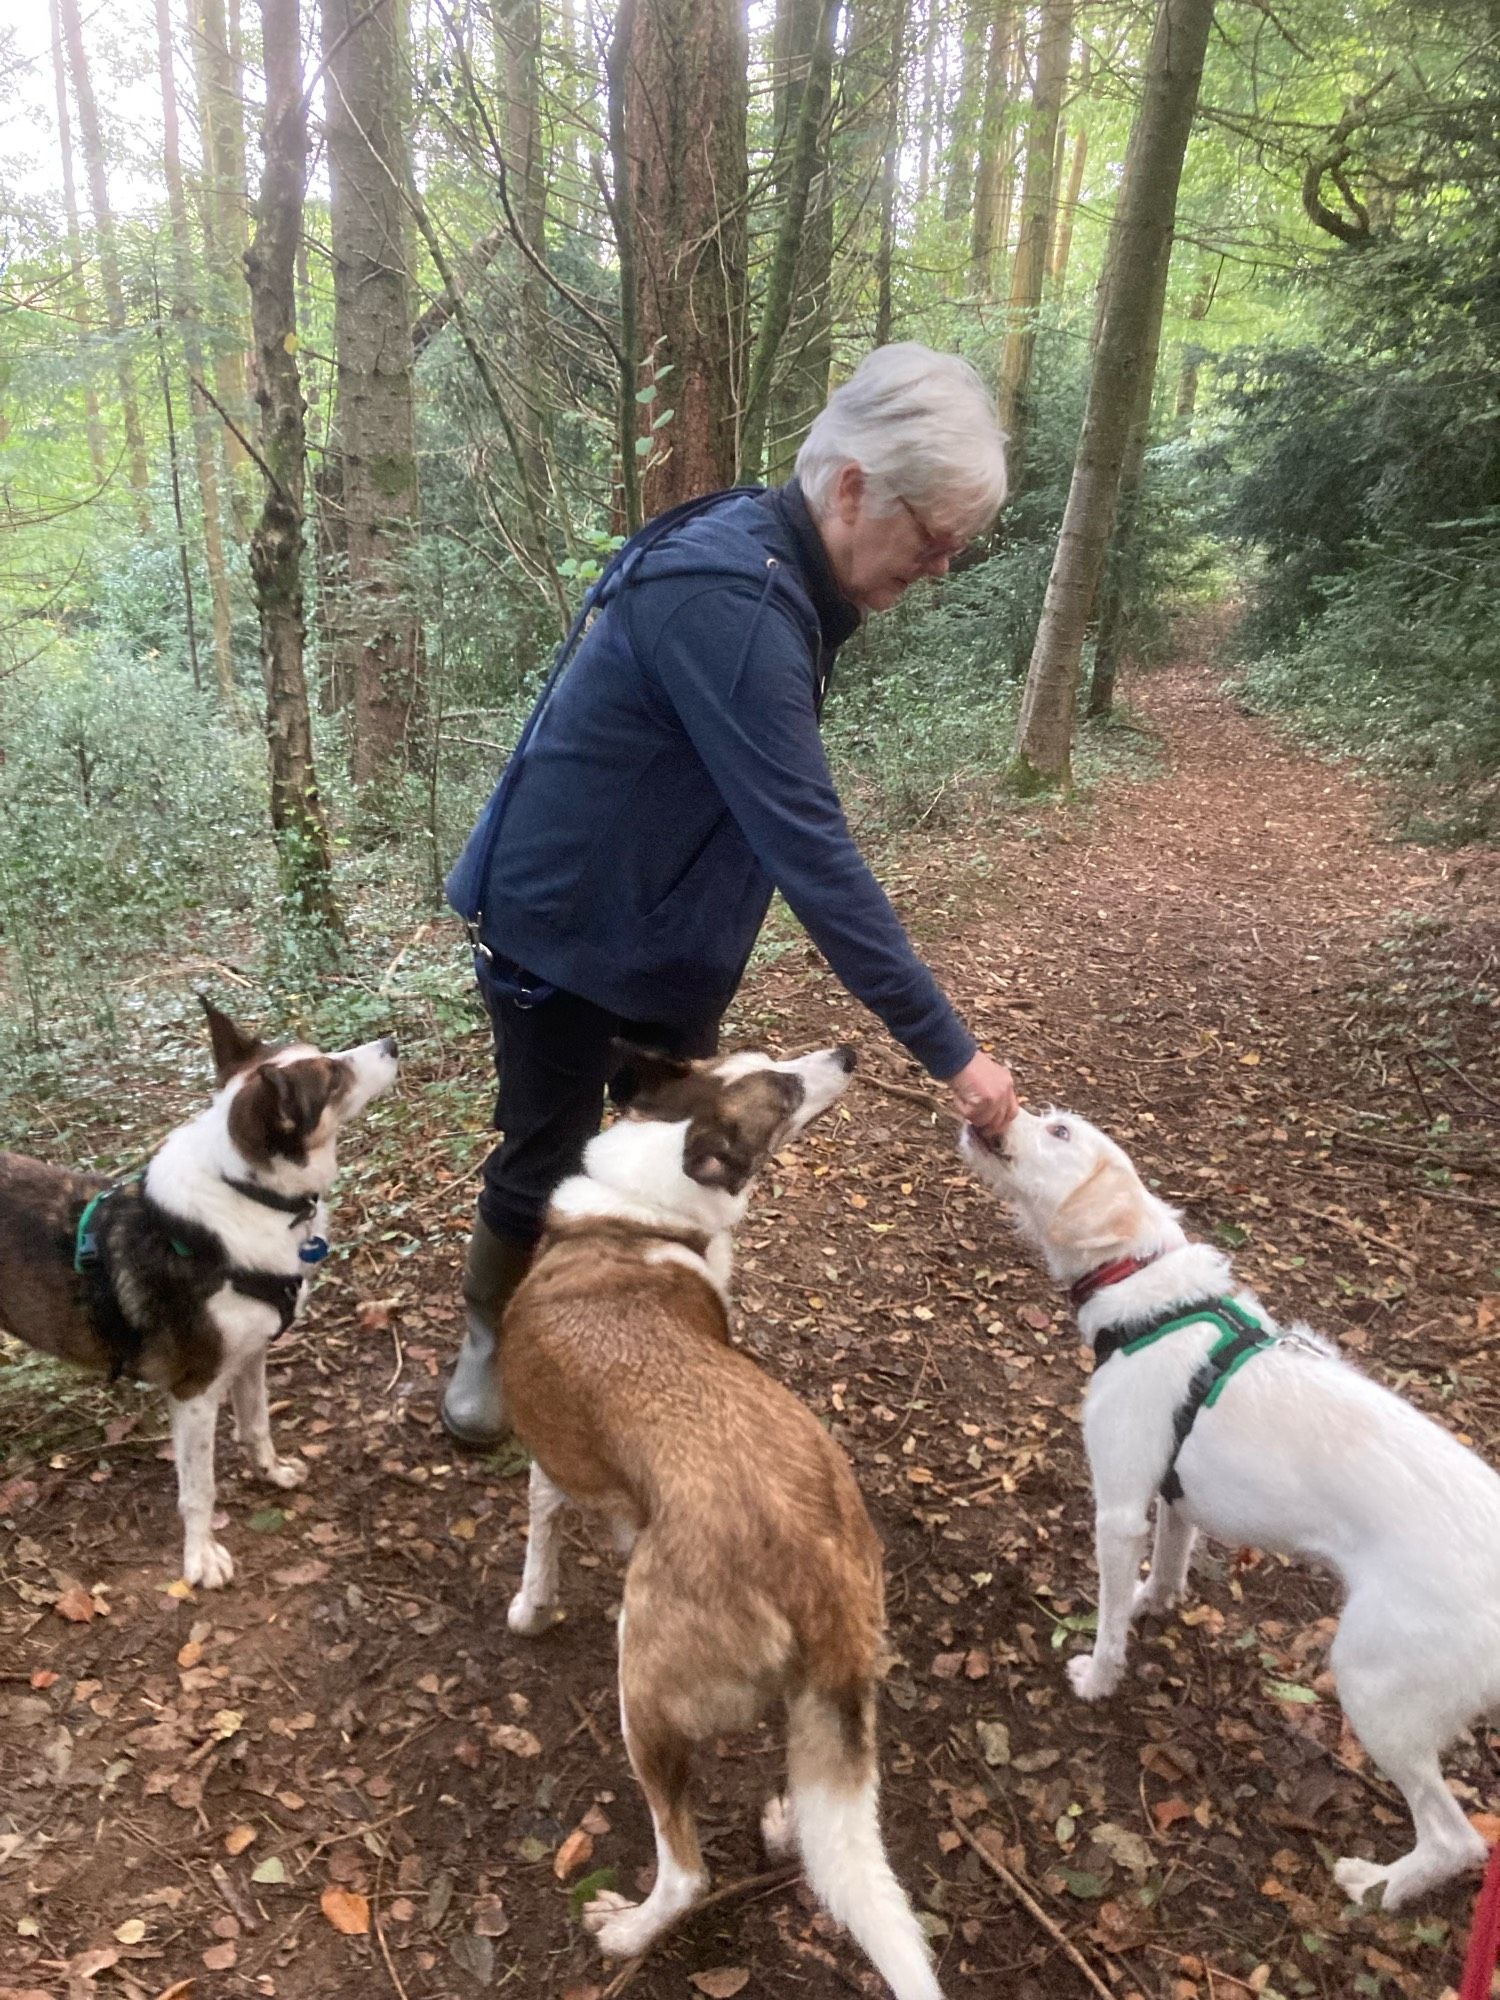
(935, 547)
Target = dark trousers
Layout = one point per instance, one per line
(552, 1055)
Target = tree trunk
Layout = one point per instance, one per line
(804, 41)
(518, 31)
(930, 107)
(185, 310)
(1068, 208)
(867, 129)
(685, 91)
(82, 312)
(1140, 250)
(1192, 354)
(958, 191)
(365, 120)
(1030, 264)
(984, 249)
(890, 186)
(221, 117)
(1116, 602)
(92, 142)
(276, 544)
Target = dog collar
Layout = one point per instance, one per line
(1082, 1289)
(300, 1207)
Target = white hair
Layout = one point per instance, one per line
(922, 427)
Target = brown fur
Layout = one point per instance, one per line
(757, 1573)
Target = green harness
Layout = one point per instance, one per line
(1241, 1335)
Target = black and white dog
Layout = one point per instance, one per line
(1263, 1435)
(184, 1277)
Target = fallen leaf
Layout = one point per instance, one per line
(89, 1964)
(220, 1957)
(180, 1989)
(723, 1982)
(994, 1742)
(238, 1839)
(574, 1852)
(76, 1605)
(1167, 1812)
(312, 1571)
(346, 1911)
(490, 1920)
(272, 1869)
(131, 1931)
(519, 1742)
(1125, 1847)
(474, 1955)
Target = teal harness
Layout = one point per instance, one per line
(1241, 1335)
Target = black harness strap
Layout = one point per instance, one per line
(1240, 1336)
(270, 1290)
(300, 1207)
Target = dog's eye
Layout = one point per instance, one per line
(1059, 1130)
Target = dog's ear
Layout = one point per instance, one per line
(276, 1110)
(1103, 1212)
(636, 1072)
(717, 1159)
(232, 1047)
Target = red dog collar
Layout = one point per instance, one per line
(1084, 1288)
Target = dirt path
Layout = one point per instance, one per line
(1229, 966)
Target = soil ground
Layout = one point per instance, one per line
(1290, 1020)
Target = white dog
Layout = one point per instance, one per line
(1300, 1453)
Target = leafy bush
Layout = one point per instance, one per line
(127, 804)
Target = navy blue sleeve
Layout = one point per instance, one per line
(739, 677)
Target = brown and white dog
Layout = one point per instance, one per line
(184, 1277)
(755, 1573)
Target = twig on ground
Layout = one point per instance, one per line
(385, 1950)
(417, 935)
(773, 1878)
(400, 1360)
(1035, 1911)
(1416, 1084)
(224, 1883)
(1464, 1077)
(590, 1723)
(917, 1097)
(1354, 1228)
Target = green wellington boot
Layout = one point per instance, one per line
(472, 1408)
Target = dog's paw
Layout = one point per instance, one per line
(1149, 1602)
(1357, 1878)
(529, 1618)
(283, 1472)
(208, 1565)
(778, 1828)
(1093, 1679)
(617, 1924)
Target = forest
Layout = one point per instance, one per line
(342, 343)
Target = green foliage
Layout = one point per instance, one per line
(127, 806)
(1365, 477)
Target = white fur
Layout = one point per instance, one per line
(838, 1830)
(1300, 1454)
(633, 1171)
(187, 1176)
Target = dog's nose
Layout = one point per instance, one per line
(845, 1057)
(388, 1046)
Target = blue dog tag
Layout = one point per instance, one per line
(314, 1250)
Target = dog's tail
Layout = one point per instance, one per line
(834, 1785)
